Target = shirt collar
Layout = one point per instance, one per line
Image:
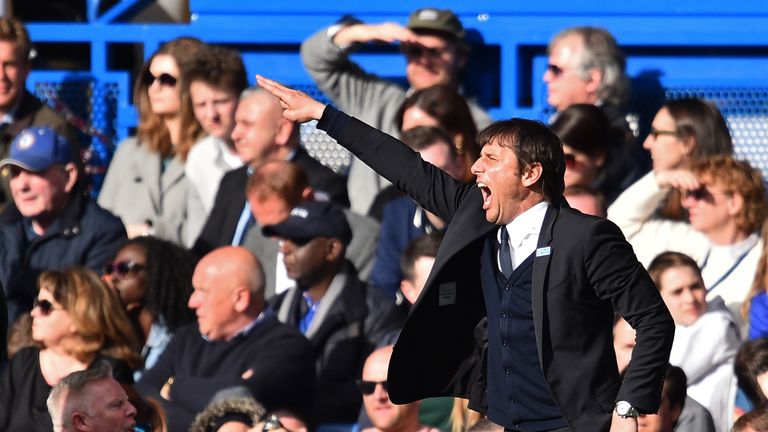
(526, 224)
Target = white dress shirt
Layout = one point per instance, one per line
(524, 233)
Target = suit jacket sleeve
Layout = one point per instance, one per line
(432, 188)
(615, 274)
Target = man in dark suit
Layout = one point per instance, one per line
(549, 287)
(261, 134)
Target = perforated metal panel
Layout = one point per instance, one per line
(318, 143)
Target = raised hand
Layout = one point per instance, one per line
(297, 105)
(388, 32)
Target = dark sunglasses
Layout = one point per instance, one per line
(45, 306)
(166, 79)
(656, 132)
(123, 268)
(415, 51)
(272, 423)
(368, 387)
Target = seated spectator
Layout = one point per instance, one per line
(145, 184)
(216, 78)
(683, 132)
(230, 415)
(694, 416)
(755, 421)
(672, 404)
(273, 190)
(755, 306)
(706, 337)
(751, 367)
(327, 301)
(386, 416)
(590, 145)
(444, 108)
(20, 109)
(237, 345)
(91, 400)
(58, 225)
(403, 219)
(436, 51)
(586, 200)
(416, 263)
(153, 278)
(77, 321)
(726, 202)
(257, 111)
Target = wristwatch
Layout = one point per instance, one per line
(625, 410)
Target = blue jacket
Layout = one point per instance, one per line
(84, 235)
(400, 224)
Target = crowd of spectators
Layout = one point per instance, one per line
(225, 279)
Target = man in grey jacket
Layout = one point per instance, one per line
(436, 52)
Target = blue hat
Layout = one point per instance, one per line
(37, 148)
(312, 219)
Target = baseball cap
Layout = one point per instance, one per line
(312, 219)
(437, 20)
(35, 149)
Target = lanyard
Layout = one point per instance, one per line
(730, 270)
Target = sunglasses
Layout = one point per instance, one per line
(123, 268)
(416, 51)
(272, 423)
(166, 79)
(656, 132)
(368, 387)
(44, 306)
(556, 70)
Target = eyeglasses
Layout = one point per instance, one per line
(123, 268)
(702, 194)
(556, 70)
(272, 423)
(368, 387)
(656, 132)
(44, 306)
(416, 51)
(166, 79)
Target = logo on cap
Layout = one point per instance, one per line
(26, 140)
(300, 212)
(428, 14)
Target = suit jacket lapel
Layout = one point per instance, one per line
(540, 273)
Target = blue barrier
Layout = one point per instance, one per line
(715, 50)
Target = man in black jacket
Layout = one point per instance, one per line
(342, 316)
(236, 346)
(261, 134)
(547, 278)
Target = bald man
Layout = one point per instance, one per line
(236, 347)
(261, 134)
(386, 416)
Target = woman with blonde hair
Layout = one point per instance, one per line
(145, 185)
(77, 321)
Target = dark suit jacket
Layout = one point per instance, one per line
(350, 322)
(584, 272)
(219, 228)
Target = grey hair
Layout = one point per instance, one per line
(600, 52)
(252, 91)
(70, 388)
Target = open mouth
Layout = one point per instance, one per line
(486, 191)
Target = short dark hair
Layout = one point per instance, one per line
(421, 137)
(675, 387)
(219, 67)
(751, 361)
(756, 420)
(586, 129)
(533, 143)
(423, 246)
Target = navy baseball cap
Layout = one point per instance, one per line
(35, 149)
(312, 219)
